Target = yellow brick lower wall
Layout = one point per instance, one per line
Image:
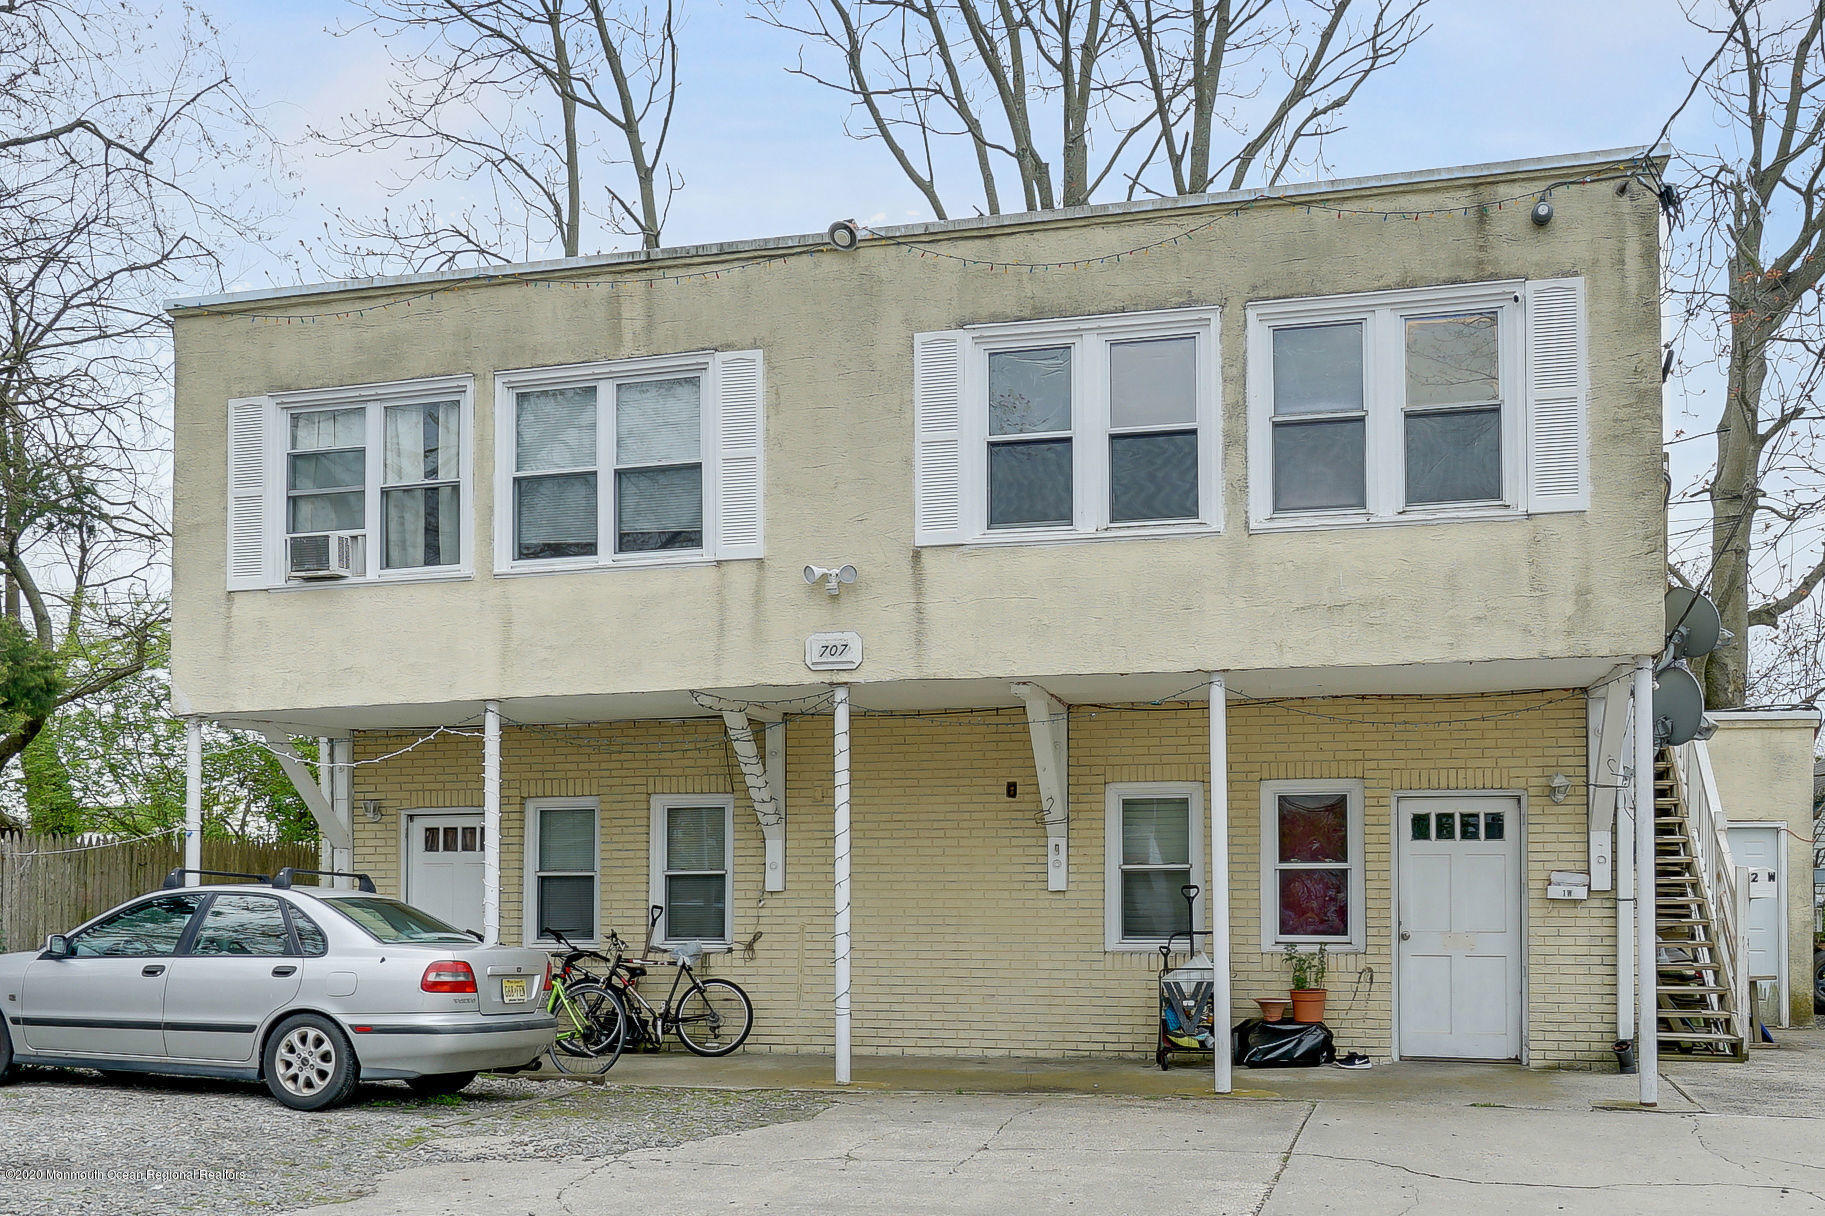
(958, 945)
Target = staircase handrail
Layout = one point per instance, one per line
(1725, 886)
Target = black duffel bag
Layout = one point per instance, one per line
(1258, 1044)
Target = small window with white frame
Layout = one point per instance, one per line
(563, 869)
(1088, 426)
(1312, 867)
(630, 462)
(375, 481)
(1387, 406)
(1153, 849)
(693, 851)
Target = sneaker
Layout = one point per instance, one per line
(1353, 1060)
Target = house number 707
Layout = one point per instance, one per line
(833, 651)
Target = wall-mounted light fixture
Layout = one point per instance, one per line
(834, 578)
(1558, 787)
(843, 235)
(1543, 212)
(370, 808)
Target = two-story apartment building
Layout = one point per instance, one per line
(1288, 546)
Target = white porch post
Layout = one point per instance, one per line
(1647, 973)
(193, 796)
(840, 706)
(491, 821)
(1217, 894)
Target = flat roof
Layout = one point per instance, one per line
(972, 224)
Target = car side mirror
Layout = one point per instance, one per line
(58, 946)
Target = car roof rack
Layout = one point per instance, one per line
(364, 884)
(175, 879)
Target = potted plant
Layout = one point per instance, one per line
(1308, 968)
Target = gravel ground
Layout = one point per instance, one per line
(77, 1142)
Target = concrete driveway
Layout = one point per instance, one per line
(1561, 1148)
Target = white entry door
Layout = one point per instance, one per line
(444, 866)
(1758, 848)
(1460, 948)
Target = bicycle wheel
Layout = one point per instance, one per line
(592, 1029)
(714, 1018)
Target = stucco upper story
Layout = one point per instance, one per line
(1373, 426)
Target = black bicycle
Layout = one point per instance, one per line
(711, 1017)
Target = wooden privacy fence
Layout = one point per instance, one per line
(49, 884)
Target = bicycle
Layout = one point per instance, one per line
(711, 1017)
(592, 1021)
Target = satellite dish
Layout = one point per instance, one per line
(1679, 707)
(1693, 626)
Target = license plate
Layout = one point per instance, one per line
(513, 990)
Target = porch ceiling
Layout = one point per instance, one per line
(1415, 679)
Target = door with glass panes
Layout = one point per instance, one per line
(444, 866)
(1459, 953)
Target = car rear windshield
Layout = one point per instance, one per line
(395, 924)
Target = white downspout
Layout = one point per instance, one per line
(1647, 973)
(491, 821)
(840, 744)
(326, 853)
(1625, 905)
(1217, 897)
(193, 797)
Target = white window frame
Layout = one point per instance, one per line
(374, 398)
(604, 376)
(1271, 938)
(529, 899)
(1089, 338)
(662, 805)
(1382, 314)
(1113, 795)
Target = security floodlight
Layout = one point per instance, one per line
(834, 578)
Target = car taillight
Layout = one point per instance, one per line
(547, 985)
(448, 975)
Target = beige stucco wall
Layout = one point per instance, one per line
(959, 947)
(836, 333)
(1763, 765)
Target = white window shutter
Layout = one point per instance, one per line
(247, 555)
(1558, 390)
(739, 434)
(938, 438)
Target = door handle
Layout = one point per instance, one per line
(152, 969)
(281, 972)
(1406, 936)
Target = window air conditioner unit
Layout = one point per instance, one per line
(316, 555)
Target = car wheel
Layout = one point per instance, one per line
(1818, 982)
(6, 1053)
(438, 1084)
(309, 1063)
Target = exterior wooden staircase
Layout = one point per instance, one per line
(1701, 1000)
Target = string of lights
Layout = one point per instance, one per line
(1638, 169)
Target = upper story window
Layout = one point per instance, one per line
(1436, 403)
(633, 461)
(350, 484)
(1059, 429)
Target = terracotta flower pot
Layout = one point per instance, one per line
(1308, 1004)
(1272, 1008)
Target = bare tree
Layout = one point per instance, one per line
(558, 109)
(1746, 288)
(1067, 96)
(108, 114)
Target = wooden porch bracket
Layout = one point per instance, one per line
(1607, 756)
(761, 752)
(1047, 723)
(305, 782)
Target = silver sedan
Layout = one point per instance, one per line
(309, 990)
